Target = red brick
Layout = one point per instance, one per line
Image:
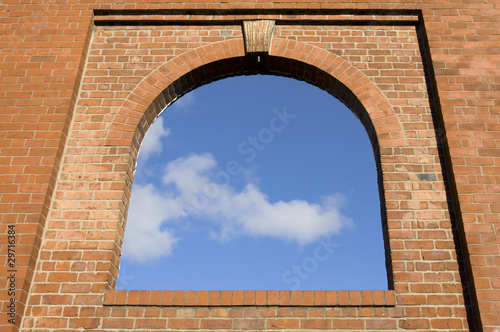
(214, 298)
(284, 298)
(215, 324)
(183, 323)
(282, 323)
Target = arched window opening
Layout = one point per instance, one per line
(258, 182)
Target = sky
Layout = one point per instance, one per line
(254, 182)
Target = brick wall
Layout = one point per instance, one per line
(81, 84)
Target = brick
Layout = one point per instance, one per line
(183, 323)
(249, 297)
(349, 324)
(260, 298)
(144, 297)
(296, 298)
(315, 324)
(249, 324)
(167, 297)
(202, 298)
(155, 298)
(237, 297)
(272, 297)
(190, 298)
(214, 298)
(319, 298)
(282, 324)
(215, 324)
(331, 298)
(109, 297)
(308, 298)
(226, 298)
(150, 324)
(381, 324)
(178, 298)
(284, 298)
(343, 298)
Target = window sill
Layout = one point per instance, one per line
(364, 298)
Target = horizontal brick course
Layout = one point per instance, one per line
(234, 298)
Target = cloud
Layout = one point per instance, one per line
(185, 101)
(250, 212)
(189, 190)
(145, 236)
(152, 143)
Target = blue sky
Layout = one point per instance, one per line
(255, 182)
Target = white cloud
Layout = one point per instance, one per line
(152, 142)
(145, 238)
(250, 212)
(185, 101)
(188, 190)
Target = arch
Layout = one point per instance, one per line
(224, 59)
(163, 86)
(227, 58)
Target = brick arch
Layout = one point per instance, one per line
(343, 81)
(162, 87)
(227, 58)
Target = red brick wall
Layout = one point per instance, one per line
(81, 83)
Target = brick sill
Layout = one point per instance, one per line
(364, 298)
